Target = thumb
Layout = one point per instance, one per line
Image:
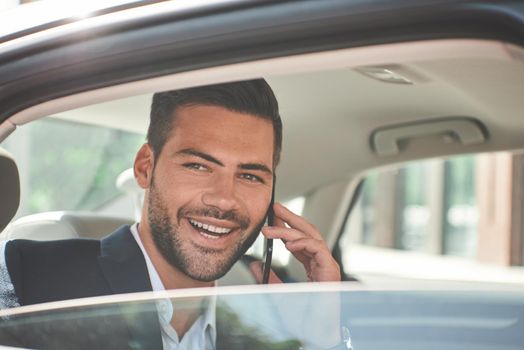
(256, 270)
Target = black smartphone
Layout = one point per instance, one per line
(268, 242)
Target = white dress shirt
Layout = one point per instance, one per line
(201, 335)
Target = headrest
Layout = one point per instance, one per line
(9, 188)
(63, 225)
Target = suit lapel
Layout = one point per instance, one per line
(125, 270)
(123, 264)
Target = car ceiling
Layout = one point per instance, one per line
(330, 115)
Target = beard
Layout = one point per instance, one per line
(199, 263)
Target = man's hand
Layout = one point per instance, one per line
(314, 318)
(306, 244)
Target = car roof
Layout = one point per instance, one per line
(38, 16)
(335, 109)
(454, 75)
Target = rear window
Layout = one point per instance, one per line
(67, 165)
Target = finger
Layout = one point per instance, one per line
(312, 248)
(256, 268)
(320, 266)
(296, 221)
(283, 233)
(290, 235)
(278, 222)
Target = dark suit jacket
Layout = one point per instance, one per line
(69, 269)
(76, 268)
(45, 271)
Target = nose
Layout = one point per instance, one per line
(221, 194)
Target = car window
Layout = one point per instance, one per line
(291, 319)
(66, 165)
(418, 102)
(438, 209)
(397, 208)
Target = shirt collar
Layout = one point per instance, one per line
(156, 282)
(208, 318)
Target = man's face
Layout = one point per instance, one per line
(210, 189)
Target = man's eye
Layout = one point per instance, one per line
(252, 178)
(195, 166)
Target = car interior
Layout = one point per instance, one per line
(345, 113)
(10, 186)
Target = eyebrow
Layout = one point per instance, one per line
(256, 166)
(194, 152)
(210, 158)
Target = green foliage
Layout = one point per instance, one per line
(70, 166)
(415, 183)
(460, 180)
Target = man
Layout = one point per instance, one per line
(207, 170)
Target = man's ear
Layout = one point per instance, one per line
(143, 167)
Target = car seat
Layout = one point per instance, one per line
(9, 188)
(63, 225)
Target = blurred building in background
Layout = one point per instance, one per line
(463, 212)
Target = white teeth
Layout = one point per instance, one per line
(210, 228)
(209, 236)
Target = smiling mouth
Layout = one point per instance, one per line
(210, 231)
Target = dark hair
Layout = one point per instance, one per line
(253, 97)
